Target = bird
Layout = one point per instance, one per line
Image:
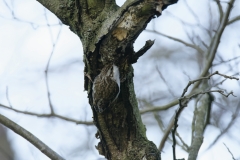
(106, 87)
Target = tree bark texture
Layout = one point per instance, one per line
(107, 33)
(200, 121)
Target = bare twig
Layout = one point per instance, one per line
(7, 95)
(234, 116)
(229, 60)
(47, 66)
(162, 127)
(159, 121)
(229, 151)
(231, 21)
(192, 12)
(184, 144)
(174, 141)
(207, 77)
(183, 100)
(166, 133)
(215, 43)
(178, 40)
(185, 23)
(143, 50)
(14, 17)
(187, 98)
(160, 108)
(30, 137)
(220, 10)
(48, 115)
(164, 80)
(211, 54)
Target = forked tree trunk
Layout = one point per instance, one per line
(107, 33)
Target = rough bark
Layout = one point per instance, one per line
(107, 33)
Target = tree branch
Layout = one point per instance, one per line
(166, 133)
(203, 78)
(160, 108)
(184, 146)
(143, 50)
(175, 102)
(200, 119)
(220, 10)
(48, 63)
(234, 116)
(60, 8)
(183, 101)
(48, 115)
(30, 137)
(215, 43)
(229, 151)
(231, 21)
(178, 40)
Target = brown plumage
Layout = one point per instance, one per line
(106, 87)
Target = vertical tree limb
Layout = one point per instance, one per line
(200, 114)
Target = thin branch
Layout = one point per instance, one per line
(215, 42)
(210, 91)
(229, 60)
(30, 137)
(143, 50)
(7, 95)
(10, 8)
(229, 151)
(178, 40)
(234, 116)
(211, 52)
(164, 80)
(15, 18)
(207, 77)
(160, 108)
(205, 45)
(185, 23)
(174, 141)
(48, 63)
(47, 115)
(159, 121)
(184, 144)
(166, 133)
(175, 102)
(183, 101)
(192, 12)
(163, 129)
(233, 20)
(220, 10)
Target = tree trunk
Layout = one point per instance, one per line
(108, 32)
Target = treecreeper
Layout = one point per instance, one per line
(106, 87)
